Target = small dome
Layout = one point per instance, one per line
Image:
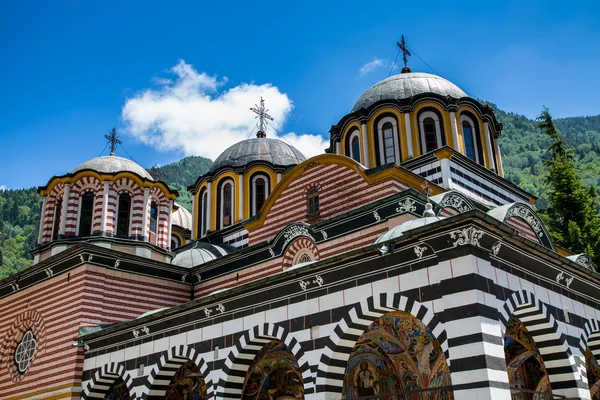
(406, 85)
(182, 217)
(274, 151)
(406, 226)
(113, 164)
(198, 253)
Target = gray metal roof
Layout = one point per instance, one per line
(111, 165)
(182, 217)
(200, 253)
(406, 85)
(274, 151)
(398, 230)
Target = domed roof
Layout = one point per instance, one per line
(398, 230)
(274, 151)
(199, 253)
(406, 85)
(182, 217)
(113, 164)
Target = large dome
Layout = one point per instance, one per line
(406, 85)
(182, 217)
(111, 165)
(274, 151)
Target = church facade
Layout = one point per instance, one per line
(399, 264)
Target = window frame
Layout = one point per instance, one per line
(254, 209)
(80, 214)
(56, 219)
(381, 139)
(154, 205)
(313, 207)
(203, 212)
(474, 136)
(222, 186)
(355, 135)
(129, 214)
(437, 126)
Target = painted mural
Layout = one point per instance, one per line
(526, 371)
(118, 391)
(274, 375)
(593, 374)
(397, 353)
(187, 384)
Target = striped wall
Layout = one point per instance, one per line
(56, 308)
(465, 301)
(523, 227)
(341, 189)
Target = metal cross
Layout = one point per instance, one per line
(404, 49)
(113, 139)
(426, 189)
(261, 114)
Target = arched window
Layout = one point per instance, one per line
(305, 257)
(86, 214)
(153, 217)
(260, 191)
(471, 141)
(430, 131)
(203, 213)
(353, 146)
(123, 213)
(226, 204)
(389, 155)
(174, 242)
(387, 141)
(57, 216)
(313, 202)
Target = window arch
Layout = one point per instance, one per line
(313, 202)
(174, 242)
(226, 203)
(387, 140)
(471, 138)
(259, 192)
(430, 129)
(123, 215)
(153, 217)
(86, 214)
(57, 217)
(203, 214)
(353, 146)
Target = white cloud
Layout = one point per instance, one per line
(190, 113)
(3, 188)
(373, 65)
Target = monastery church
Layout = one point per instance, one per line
(400, 264)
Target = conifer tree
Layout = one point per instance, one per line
(572, 219)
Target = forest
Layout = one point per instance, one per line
(523, 145)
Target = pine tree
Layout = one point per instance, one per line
(572, 219)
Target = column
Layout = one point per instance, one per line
(209, 207)
(488, 143)
(365, 146)
(454, 125)
(337, 148)
(409, 140)
(169, 225)
(241, 198)
(43, 220)
(105, 208)
(144, 232)
(446, 174)
(65, 209)
(499, 158)
(278, 180)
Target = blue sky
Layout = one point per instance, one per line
(177, 78)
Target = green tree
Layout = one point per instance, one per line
(571, 215)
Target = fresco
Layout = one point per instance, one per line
(187, 384)
(525, 367)
(593, 374)
(397, 353)
(274, 375)
(117, 391)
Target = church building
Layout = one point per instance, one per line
(399, 264)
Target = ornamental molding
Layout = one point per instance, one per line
(457, 202)
(324, 234)
(221, 308)
(293, 231)
(376, 216)
(319, 281)
(406, 205)
(25, 351)
(525, 213)
(466, 236)
(311, 165)
(564, 279)
(496, 248)
(49, 272)
(420, 250)
(585, 261)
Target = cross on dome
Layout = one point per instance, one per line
(405, 54)
(263, 117)
(113, 140)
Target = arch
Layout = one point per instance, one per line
(591, 337)
(225, 203)
(258, 195)
(302, 245)
(352, 140)
(468, 120)
(166, 367)
(563, 373)
(391, 123)
(105, 377)
(428, 113)
(452, 203)
(330, 371)
(523, 213)
(247, 347)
